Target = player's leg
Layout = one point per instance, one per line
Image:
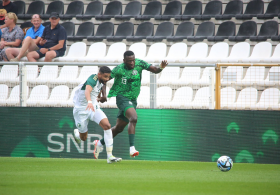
(81, 121)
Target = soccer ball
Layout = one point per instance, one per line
(224, 163)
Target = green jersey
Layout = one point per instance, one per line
(128, 82)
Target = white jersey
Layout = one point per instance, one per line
(80, 100)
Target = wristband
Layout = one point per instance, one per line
(160, 67)
(89, 102)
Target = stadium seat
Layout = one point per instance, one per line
(246, 30)
(152, 9)
(139, 50)
(268, 29)
(198, 51)
(184, 30)
(172, 9)
(55, 6)
(104, 30)
(254, 75)
(232, 9)
(275, 58)
(204, 80)
(212, 9)
(132, 9)
(218, 51)
(225, 30)
(192, 9)
(177, 51)
(246, 99)
(39, 94)
(58, 94)
(4, 90)
(204, 30)
(189, 75)
(164, 96)
(13, 100)
(74, 8)
(69, 103)
(228, 96)
(8, 73)
(182, 96)
(232, 74)
(69, 27)
(46, 24)
(94, 8)
(67, 74)
(85, 72)
(35, 7)
(85, 30)
(269, 100)
(112, 9)
(124, 30)
(20, 6)
(261, 51)
(273, 77)
(115, 53)
(238, 51)
(24, 25)
(252, 10)
(144, 30)
(156, 53)
(95, 52)
(47, 74)
(273, 9)
(164, 30)
(168, 75)
(76, 50)
(143, 100)
(201, 99)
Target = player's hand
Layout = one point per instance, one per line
(90, 107)
(102, 99)
(163, 64)
(43, 50)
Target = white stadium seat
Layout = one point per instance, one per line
(85, 72)
(96, 52)
(143, 100)
(228, 96)
(168, 75)
(232, 74)
(145, 80)
(260, 52)
(156, 53)
(247, 98)
(13, 100)
(182, 97)
(177, 51)
(47, 74)
(4, 90)
(59, 94)
(39, 94)
(198, 51)
(189, 75)
(164, 95)
(273, 77)
(69, 103)
(67, 74)
(269, 99)
(275, 58)
(139, 50)
(204, 80)
(31, 74)
(254, 75)
(115, 53)
(201, 99)
(8, 73)
(76, 50)
(239, 51)
(218, 51)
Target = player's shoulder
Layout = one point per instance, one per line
(92, 78)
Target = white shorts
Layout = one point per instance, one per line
(82, 117)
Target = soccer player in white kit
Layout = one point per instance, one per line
(86, 108)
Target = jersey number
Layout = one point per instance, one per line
(124, 80)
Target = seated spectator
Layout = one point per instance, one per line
(12, 35)
(53, 41)
(6, 7)
(30, 42)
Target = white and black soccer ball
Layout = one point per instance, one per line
(224, 163)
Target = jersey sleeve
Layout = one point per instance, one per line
(114, 71)
(92, 80)
(145, 65)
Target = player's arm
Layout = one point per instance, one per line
(157, 70)
(87, 93)
(104, 96)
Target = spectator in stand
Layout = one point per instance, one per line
(6, 7)
(53, 41)
(30, 42)
(12, 35)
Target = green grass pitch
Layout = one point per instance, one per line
(42, 176)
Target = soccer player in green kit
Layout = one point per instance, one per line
(126, 88)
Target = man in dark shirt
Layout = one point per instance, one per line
(5, 7)
(53, 41)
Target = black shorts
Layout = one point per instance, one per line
(59, 53)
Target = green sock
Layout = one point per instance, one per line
(131, 139)
(102, 141)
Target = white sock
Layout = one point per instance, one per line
(99, 144)
(108, 138)
(77, 134)
(132, 148)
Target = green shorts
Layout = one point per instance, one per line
(123, 104)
